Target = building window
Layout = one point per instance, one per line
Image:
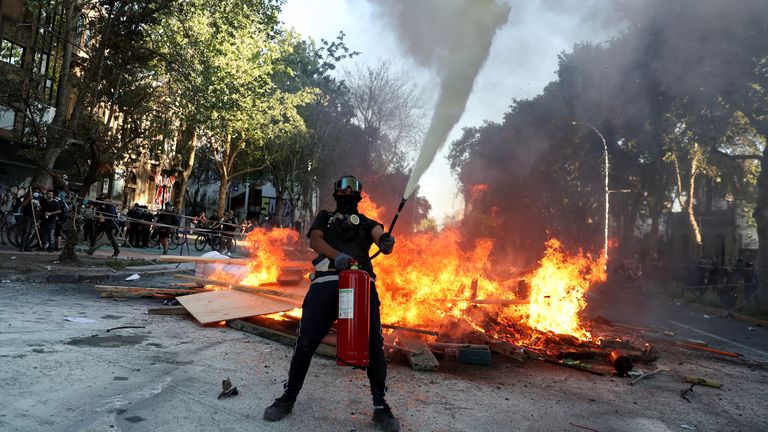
(11, 53)
(42, 63)
(7, 118)
(48, 90)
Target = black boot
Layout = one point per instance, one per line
(279, 409)
(385, 420)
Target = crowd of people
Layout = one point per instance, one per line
(37, 212)
(39, 216)
(725, 279)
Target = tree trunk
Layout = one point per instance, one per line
(56, 138)
(689, 203)
(691, 194)
(188, 146)
(223, 188)
(68, 251)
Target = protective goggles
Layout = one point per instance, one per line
(348, 182)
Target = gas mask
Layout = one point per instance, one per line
(347, 204)
(346, 224)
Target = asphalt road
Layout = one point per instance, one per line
(60, 375)
(634, 307)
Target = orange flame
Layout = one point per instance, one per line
(558, 287)
(429, 277)
(432, 278)
(369, 208)
(267, 248)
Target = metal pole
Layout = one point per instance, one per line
(247, 190)
(607, 193)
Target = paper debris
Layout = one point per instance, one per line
(80, 320)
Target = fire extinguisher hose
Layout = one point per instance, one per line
(392, 225)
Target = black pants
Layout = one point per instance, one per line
(108, 227)
(134, 234)
(319, 311)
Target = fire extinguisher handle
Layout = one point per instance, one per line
(391, 226)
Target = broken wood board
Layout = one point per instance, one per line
(410, 329)
(133, 291)
(226, 305)
(182, 285)
(168, 310)
(292, 297)
(417, 351)
(288, 265)
(504, 302)
(249, 326)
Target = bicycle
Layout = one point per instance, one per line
(7, 222)
(173, 239)
(208, 236)
(16, 232)
(228, 244)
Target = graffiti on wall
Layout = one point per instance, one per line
(163, 189)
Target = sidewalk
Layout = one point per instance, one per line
(42, 266)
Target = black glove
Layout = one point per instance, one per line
(341, 262)
(386, 243)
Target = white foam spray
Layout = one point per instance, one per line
(452, 38)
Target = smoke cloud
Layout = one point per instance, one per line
(452, 38)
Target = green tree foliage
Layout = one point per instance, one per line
(228, 55)
(679, 98)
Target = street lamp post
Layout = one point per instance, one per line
(607, 191)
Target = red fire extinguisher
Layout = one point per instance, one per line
(353, 326)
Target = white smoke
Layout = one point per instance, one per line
(452, 38)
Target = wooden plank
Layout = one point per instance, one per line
(138, 289)
(225, 305)
(419, 355)
(503, 302)
(288, 265)
(410, 329)
(452, 345)
(294, 298)
(324, 349)
(168, 310)
(181, 285)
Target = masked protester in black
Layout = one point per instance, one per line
(106, 220)
(30, 208)
(339, 237)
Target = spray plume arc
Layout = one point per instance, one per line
(454, 47)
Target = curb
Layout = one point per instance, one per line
(88, 278)
(726, 314)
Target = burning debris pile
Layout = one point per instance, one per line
(451, 298)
